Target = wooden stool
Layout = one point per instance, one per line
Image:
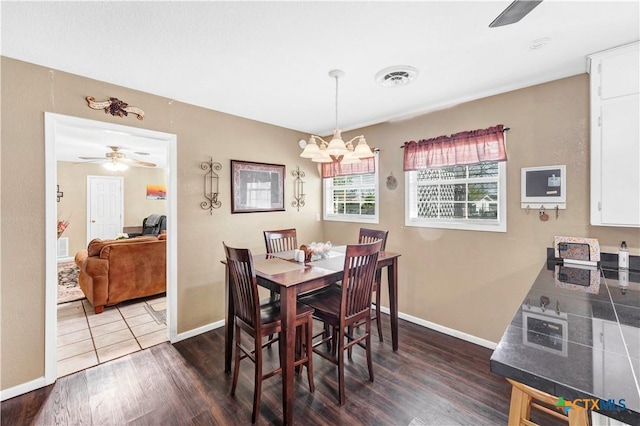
(522, 399)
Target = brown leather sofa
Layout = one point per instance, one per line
(112, 271)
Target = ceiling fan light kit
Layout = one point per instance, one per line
(321, 151)
(115, 166)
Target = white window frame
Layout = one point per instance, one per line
(327, 205)
(497, 225)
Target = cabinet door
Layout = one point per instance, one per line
(615, 71)
(615, 137)
(620, 161)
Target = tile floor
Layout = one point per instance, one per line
(86, 339)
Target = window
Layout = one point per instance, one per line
(352, 198)
(471, 197)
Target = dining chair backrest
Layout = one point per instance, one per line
(243, 285)
(360, 265)
(280, 240)
(371, 235)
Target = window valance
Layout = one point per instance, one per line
(366, 165)
(462, 148)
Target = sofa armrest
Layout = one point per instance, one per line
(80, 258)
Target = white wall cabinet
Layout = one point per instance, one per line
(615, 136)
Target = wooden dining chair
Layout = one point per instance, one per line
(368, 236)
(341, 307)
(524, 398)
(280, 240)
(260, 320)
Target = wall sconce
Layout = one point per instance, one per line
(211, 185)
(298, 188)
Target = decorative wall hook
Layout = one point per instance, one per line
(211, 185)
(542, 215)
(115, 106)
(298, 188)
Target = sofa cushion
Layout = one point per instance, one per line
(96, 245)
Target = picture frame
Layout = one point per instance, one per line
(256, 187)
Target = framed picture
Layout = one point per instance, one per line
(256, 187)
(156, 192)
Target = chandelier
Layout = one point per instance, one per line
(337, 150)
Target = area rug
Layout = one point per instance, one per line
(68, 288)
(159, 316)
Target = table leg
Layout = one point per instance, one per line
(228, 323)
(392, 278)
(288, 316)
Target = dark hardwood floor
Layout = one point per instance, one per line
(433, 379)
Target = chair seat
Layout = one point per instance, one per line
(270, 312)
(325, 303)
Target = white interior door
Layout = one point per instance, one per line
(105, 207)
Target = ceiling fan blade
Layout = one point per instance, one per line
(144, 163)
(514, 12)
(136, 162)
(93, 158)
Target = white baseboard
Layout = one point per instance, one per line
(445, 330)
(199, 330)
(40, 382)
(23, 388)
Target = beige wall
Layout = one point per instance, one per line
(473, 281)
(72, 179)
(468, 281)
(31, 90)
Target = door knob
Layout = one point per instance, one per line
(93, 221)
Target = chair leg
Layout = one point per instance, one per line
(378, 317)
(257, 390)
(236, 366)
(273, 296)
(520, 407)
(340, 354)
(349, 350)
(368, 349)
(298, 350)
(326, 334)
(309, 351)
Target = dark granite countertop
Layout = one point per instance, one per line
(577, 335)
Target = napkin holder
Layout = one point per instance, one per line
(577, 251)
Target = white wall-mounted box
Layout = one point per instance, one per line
(543, 187)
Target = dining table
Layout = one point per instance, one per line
(280, 273)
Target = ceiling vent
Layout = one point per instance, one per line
(397, 76)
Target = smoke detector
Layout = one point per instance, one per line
(397, 76)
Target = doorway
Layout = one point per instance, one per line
(57, 127)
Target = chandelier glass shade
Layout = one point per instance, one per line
(336, 150)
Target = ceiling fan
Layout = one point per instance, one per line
(514, 12)
(116, 160)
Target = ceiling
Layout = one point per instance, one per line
(269, 61)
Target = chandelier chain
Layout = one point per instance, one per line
(336, 102)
